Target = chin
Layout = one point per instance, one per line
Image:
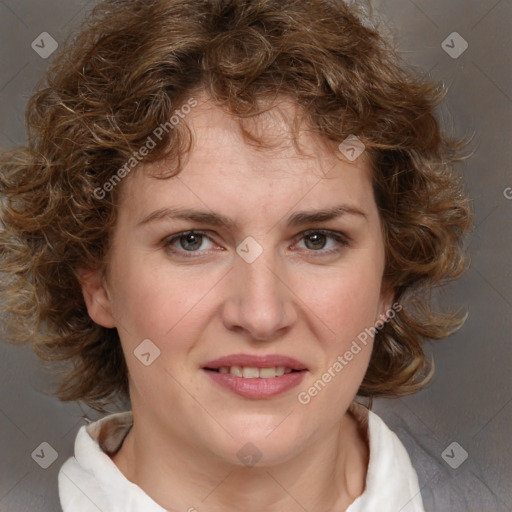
(259, 441)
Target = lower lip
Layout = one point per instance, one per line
(257, 389)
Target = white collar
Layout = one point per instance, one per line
(91, 482)
(391, 481)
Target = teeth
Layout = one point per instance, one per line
(267, 373)
(281, 370)
(236, 370)
(251, 372)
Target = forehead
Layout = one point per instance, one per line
(224, 164)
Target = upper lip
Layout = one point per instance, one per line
(267, 361)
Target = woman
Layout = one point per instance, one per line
(232, 213)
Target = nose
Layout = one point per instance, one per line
(260, 302)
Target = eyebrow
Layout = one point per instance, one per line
(215, 219)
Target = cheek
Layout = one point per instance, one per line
(153, 303)
(150, 301)
(346, 300)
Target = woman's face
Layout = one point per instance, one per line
(262, 284)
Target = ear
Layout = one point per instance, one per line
(386, 306)
(96, 297)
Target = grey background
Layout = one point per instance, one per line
(470, 398)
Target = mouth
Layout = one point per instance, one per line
(253, 372)
(256, 377)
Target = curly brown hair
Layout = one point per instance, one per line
(130, 66)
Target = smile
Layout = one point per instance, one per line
(252, 372)
(254, 376)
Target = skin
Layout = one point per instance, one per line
(296, 299)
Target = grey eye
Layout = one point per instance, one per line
(190, 241)
(315, 241)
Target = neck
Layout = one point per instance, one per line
(330, 473)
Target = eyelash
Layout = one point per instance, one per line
(340, 238)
